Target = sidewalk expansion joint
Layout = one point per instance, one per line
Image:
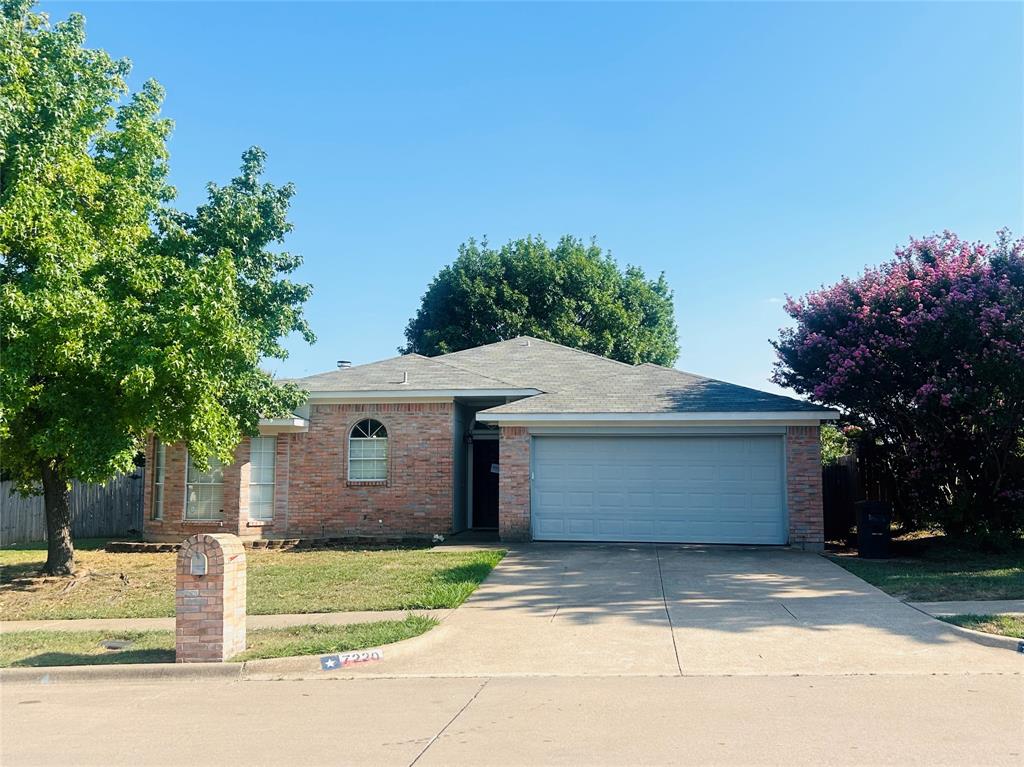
(451, 721)
(668, 613)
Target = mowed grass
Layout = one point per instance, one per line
(932, 570)
(1007, 625)
(322, 640)
(79, 648)
(142, 585)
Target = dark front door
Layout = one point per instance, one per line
(485, 483)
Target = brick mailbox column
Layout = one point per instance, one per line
(209, 598)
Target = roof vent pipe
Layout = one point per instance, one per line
(405, 376)
(344, 364)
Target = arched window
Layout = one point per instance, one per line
(368, 452)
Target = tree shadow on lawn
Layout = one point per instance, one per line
(115, 657)
(452, 586)
(26, 576)
(938, 549)
(473, 572)
(930, 568)
(21, 576)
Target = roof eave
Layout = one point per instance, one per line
(790, 417)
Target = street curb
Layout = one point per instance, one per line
(300, 667)
(134, 672)
(978, 637)
(990, 640)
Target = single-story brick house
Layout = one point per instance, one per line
(536, 440)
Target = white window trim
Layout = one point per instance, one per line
(387, 453)
(184, 513)
(156, 511)
(272, 484)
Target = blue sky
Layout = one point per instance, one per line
(746, 150)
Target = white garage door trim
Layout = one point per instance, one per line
(679, 489)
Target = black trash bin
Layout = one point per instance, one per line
(874, 519)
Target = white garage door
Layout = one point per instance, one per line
(673, 489)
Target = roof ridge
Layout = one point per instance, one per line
(350, 367)
(481, 346)
(473, 372)
(542, 341)
(696, 376)
(413, 358)
(580, 351)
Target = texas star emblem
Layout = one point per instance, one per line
(328, 662)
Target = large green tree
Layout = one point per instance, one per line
(573, 294)
(120, 316)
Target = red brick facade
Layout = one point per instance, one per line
(514, 484)
(313, 496)
(414, 501)
(803, 487)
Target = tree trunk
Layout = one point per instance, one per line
(60, 551)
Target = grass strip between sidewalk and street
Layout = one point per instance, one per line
(1006, 625)
(280, 581)
(79, 648)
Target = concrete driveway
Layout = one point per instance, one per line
(599, 655)
(607, 610)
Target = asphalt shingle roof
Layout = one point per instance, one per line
(572, 381)
(531, 363)
(418, 373)
(651, 388)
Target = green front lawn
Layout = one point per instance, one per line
(322, 640)
(931, 570)
(288, 581)
(1007, 625)
(76, 648)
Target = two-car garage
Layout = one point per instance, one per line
(683, 489)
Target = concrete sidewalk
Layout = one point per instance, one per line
(253, 622)
(974, 607)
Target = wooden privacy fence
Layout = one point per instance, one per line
(97, 511)
(841, 488)
(860, 476)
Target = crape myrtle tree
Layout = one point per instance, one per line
(926, 353)
(119, 316)
(573, 294)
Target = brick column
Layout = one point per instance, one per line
(210, 598)
(803, 488)
(236, 491)
(514, 484)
